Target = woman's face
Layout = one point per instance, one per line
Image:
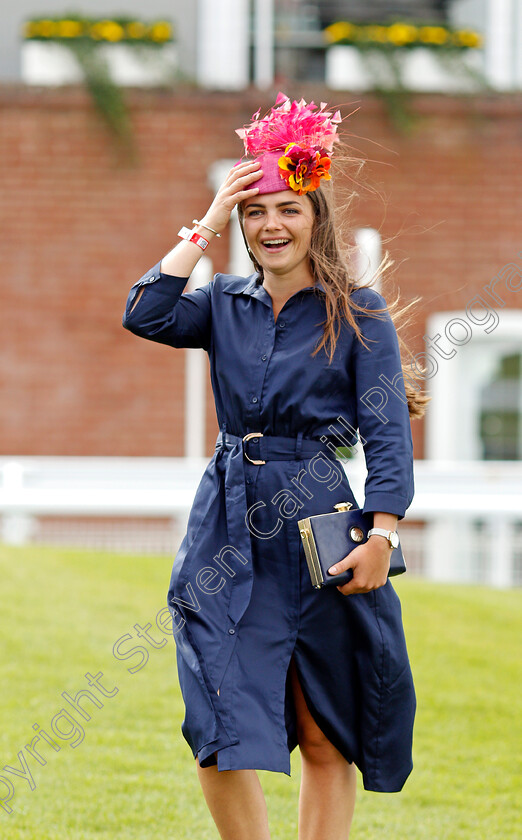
(278, 229)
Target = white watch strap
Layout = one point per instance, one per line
(381, 532)
(391, 536)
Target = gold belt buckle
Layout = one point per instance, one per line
(249, 437)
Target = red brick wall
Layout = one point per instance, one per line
(77, 229)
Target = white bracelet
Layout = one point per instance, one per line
(202, 224)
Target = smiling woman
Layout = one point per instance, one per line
(268, 663)
(278, 233)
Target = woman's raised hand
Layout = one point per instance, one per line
(237, 186)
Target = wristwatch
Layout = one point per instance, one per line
(391, 536)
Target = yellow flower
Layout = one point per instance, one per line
(47, 28)
(161, 31)
(106, 30)
(377, 33)
(434, 35)
(111, 31)
(340, 31)
(468, 38)
(69, 29)
(96, 31)
(30, 29)
(136, 29)
(402, 33)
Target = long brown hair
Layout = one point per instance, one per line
(329, 264)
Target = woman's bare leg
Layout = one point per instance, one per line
(236, 801)
(328, 781)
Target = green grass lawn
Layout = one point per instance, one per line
(133, 776)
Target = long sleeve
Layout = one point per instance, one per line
(382, 412)
(165, 315)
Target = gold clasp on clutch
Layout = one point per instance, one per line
(343, 506)
(249, 437)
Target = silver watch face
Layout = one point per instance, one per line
(394, 539)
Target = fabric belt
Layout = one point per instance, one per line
(236, 451)
(258, 448)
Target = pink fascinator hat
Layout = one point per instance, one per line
(293, 142)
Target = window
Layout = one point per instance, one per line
(475, 382)
(500, 406)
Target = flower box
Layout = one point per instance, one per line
(50, 63)
(421, 69)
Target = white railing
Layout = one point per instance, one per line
(92, 487)
(473, 516)
(465, 523)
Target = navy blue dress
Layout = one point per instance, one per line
(240, 593)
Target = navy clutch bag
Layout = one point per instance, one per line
(329, 537)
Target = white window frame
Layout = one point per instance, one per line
(451, 424)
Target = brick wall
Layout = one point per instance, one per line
(77, 228)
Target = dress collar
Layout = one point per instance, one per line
(253, 286)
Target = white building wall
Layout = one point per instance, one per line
(223, 44)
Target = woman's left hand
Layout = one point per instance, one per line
(370, 563)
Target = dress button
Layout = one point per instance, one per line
(264, 358)
(281, 324)
(249, 481)
(254, 399)
(231, 631)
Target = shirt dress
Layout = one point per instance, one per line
(240, 594)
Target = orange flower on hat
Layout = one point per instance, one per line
(302, 169)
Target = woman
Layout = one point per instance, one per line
(296, 352)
